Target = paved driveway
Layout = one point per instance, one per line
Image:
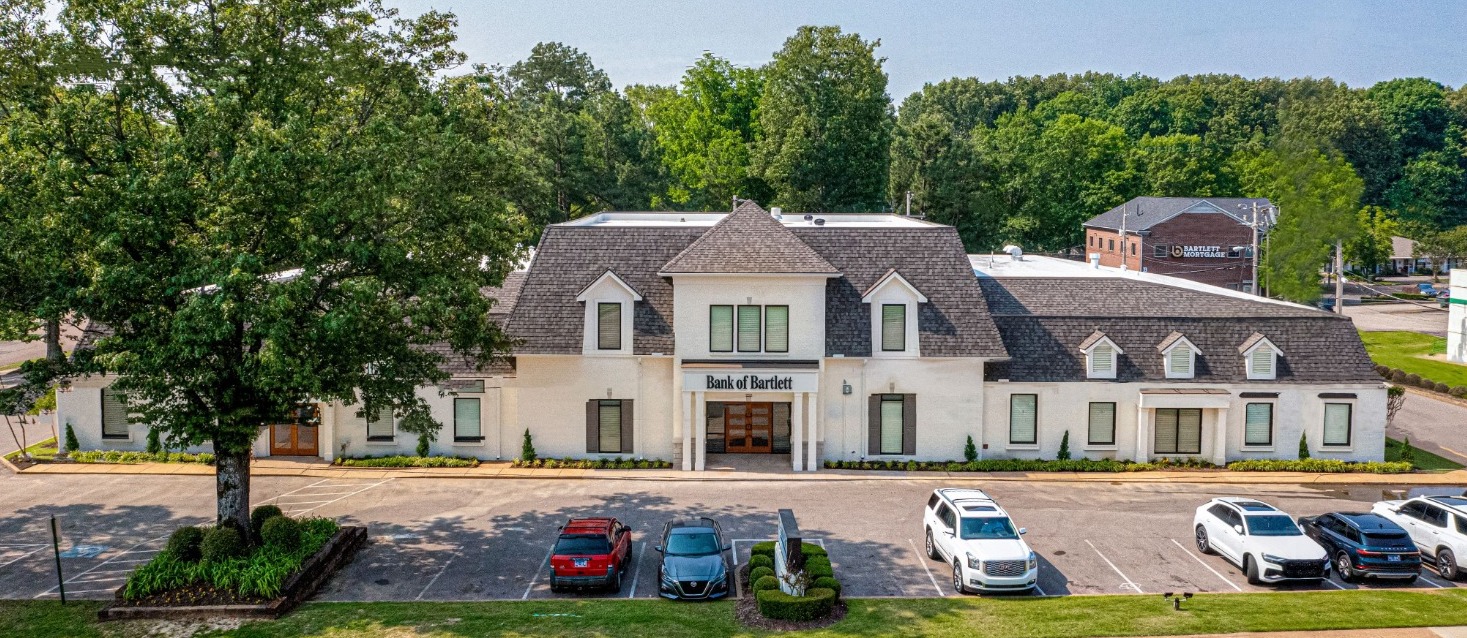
(1399, 316)
(1433, 424)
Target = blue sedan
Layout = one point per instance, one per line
(1365, 545)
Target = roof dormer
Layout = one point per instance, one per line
(1179, 356)
(610, 302)
(1260, 357)
(894, 305)
(1100, 356)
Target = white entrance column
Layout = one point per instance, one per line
(1143, 435)
(326, 433)
(687, 431)
(797, 431)
(700, 425)
(811, 463)
(1220, 437)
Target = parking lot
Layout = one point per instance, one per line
(464, 539)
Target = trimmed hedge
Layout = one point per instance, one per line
(1022, 465)
(409, 461)
(616, 463)
(765, 548)
(758, 573)
(816, 603)
(761, 560)
(819, 570)
(766, 583)
(281, 533)
(828, 582)
(117, 456)
(221, 544)
(1320, 466)
(1459, 391)
(260, 514)
(186, 543)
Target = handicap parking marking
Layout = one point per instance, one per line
(97, 569)
(1204, 564)
(1129, 583)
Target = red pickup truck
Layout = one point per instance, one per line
(591, 552)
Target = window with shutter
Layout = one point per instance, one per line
(1337, 423)
(893, 327)
(608, 326)
(379, 426)
(891, 424)
(749, 320)
(1103, 362)
(609, 425)
(1023, 419)
(1258, 424)
(466, 421)
(776, 328)
(1102, 424)
(1178, 431)
(1181, 361)
(114, 414)
(721, 328)
(1262, 363)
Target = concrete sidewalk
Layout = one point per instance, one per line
(503, 469)
(1423, 632)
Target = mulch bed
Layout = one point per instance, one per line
(746, 610)
(195, 594)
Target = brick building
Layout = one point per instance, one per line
(1189, 237)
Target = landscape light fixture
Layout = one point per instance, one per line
(1177, 599)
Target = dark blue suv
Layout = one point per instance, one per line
(1362, 545)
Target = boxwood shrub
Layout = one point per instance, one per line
(409, 461)
(185, 543)
(1320, 466)
(766, 583)
(816, 603)
(221, 544)
(812, 550)
(765, 548)
(818, 569)
(260, 514)
(281, 533)
(261, 573)
(760, 560)
(828, 582)
(757, 573)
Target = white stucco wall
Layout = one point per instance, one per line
(81, 408)
(552, 391)
(1457, 318)
(949, 404)
(804, 295)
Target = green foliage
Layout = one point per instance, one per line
(615, 463)
(828, 582)
(259, 574)
(761, 560)
(409, 461)
(185, 544)
(758, 573)
(1033, 465)
(1064, 449)
(154, 446)
(766, 582)
(816, 603)
(810, 549)
(1303, 447)
(118, 456)
(71, 443)
(819, 566)
(281, 533)
(527, 448)
(763, 548)
(423, 445)
(1322, 466)
(45, 403)
(970, 450)
(1407, 453)
(222, 543)
(260, 514)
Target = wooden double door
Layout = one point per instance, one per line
(298, 436)
(748, 428)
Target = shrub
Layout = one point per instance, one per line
(118, 456)
(1408, 453)
(185, 543)
(758, 573)
(409, 461)
(970, 451)
(765, 548)
(527, 448)
(827, 582)
(812, 550)
(155, 446)
(816, 603)
(282, 533)
(760, 560)
(222, 544)
(766, 583)
(71, 443)
(423, 445)
(818, 567)
(261, 514)
(1413, 379)
(1398, 376)
(1459, 391)
(1384, 371)
(262, 573)
(1303, 447)
(1442, 388)
(1322, 466)
(1064, 451)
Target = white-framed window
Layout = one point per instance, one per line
(777, 329)
(1258, 424)
(114, 415)
(380, 426)
(608, 326)
(466, 422)
(1180, 359)
(893, 327)
(1023, 419)
(1102, 423)
(1101, 357)
(608, 426)
(1261, 360)
(749, 328)
(893, 417)
(1178, 431)
(720, 328)
(609, 309)
(1337, 424)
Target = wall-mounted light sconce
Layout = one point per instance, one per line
(608, 393)
(845, 387)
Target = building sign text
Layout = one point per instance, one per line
(750, 382)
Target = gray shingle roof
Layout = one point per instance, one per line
(728, 247)
(1144, 212)
(1041, 320)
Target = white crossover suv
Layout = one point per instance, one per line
(1256, 536)
(1438, 526)
(968, 530)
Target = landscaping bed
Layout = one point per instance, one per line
(617, 463)
(1023, 465)
(766, 606)
(408, 461)
(118, 456)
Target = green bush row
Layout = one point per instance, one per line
(617, 463)
(1022, 465)
(260, 573)
(766, 583)
(816, 603)
(1401, 377)
(766, 548)
(118, 456)
(1320, 466)
(409, 461)
(761, 560)
(758, 573)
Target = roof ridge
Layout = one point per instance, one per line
(781, 251)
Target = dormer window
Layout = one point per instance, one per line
(1100, 356)
(608, 326)
(893, 327)
(609, 305)
(894, 302)
(1179, 356)
(1260, 357)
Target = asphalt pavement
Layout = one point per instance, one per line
(1436, 425)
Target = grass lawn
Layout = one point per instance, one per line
(969, 617)
(43, 451)
(1424, 460)
(1408, 351)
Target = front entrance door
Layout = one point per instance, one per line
(749, 428)
(298, 436)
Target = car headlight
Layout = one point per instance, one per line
(719, 578)
(974, 563)
(1033, 560)
(668, 580)
(1270, 558)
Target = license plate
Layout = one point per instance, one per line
(1393, 558)
(581, 562)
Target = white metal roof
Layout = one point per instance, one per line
(831, 220)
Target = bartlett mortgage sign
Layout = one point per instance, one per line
(1184, 251)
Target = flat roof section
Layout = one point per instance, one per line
(646, 219)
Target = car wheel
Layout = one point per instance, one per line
(615, 583)
(1343, 566)
(1250, 568)
(1446, 565)
(554, 586)
(931, 547)
(958, 585)
(1204, 544)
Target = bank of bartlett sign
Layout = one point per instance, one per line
(751, 381)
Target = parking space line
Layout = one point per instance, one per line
(312, 509)
(1114, 568)
(21, 557)
(1431, 582)
(133, 549)
(284, 504)
(637, 571)
(537, 573)
(440, 572)
(1331, 582)
(923, 560)
(298, 489)
(1204, 564)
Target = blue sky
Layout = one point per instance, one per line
(1356, 42)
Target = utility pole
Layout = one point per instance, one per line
(1339, 278)
(909, 203)
(1253, 245)
(1123, 237)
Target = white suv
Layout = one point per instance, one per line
(1438, 526)
(968, 530)
(1256, 536)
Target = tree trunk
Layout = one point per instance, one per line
(232, 482)
(53, 339)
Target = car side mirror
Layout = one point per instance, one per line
(1238, 529)
(657, 549)
(728, 548)
(949, 532)
(626, 530)
(1023, 531)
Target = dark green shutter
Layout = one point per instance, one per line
(909, 424)
(873, 423)
(593, 426)
(626, 426)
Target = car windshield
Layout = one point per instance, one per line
(692, 544)
(582, 545)
(988, 528)
(1272, 525)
